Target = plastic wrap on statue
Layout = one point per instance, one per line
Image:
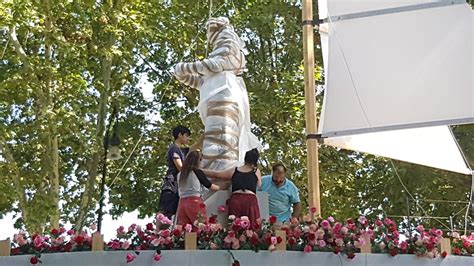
(223, 104)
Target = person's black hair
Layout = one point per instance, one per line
(180, 130)
(275, 167)
(251, 157)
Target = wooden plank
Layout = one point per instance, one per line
(367, 247)
(5, 247)
(282, 245)
(97, 242)
(190, 241)
(446, 245)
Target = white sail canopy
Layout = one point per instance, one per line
(397, 74)
(398, 70)
(430, 146)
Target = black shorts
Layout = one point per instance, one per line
(168, 203)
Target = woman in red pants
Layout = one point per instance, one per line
(190, 180)
(245, 180)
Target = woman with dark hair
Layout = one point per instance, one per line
(245, 180)
(190, 180)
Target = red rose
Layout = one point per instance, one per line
(272, 219)
(312, 236)
(67, 247)
(337, 250)
(351, 255)
(456, 251)
(55, 232)
(15, 251)
(213, 219)
(34, 260)
(429, 247)
(444, 254)
(268, 240)
(236, 263)
(254, 240)
(279, 239)
(149, 226)
(393, 252)
(176, 232)
(79, 240)
(291, 241)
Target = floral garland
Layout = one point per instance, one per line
(309, 234)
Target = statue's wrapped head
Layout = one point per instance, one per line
(215, 26)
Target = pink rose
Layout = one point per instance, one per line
(339, 242)
(125, 245)
(382, 245)
(313, 227)
(188, 228)
(222, 209)
(322, 243)
(244, 224)
(403, 245)
(70, 232)
(344, 230)
(121, 230)
(249, 233)
(21, 240)
(331, 219)
(165, 233)
(114, 245)
(213, 246)
(362, 220)
(273, 240)
(378, 223)
(38, 241)
(59, 240)
(420, 228)
(132, 227)
(439, 233)
(157, 257)
(62, 230)
(325, 224)
(130, 257)
(312, 209)
(155, 242)
(307, 249)
(235, 243)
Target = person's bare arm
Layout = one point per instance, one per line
(296, 210)
(226, 174)
(259, 178)
(177, 162)
(214, 187)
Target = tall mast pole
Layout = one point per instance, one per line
(310, 107)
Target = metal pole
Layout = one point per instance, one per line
(102, 183)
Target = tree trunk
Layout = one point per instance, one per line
(51, 135)
(93, 164)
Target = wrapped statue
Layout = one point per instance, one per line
(223, 104)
